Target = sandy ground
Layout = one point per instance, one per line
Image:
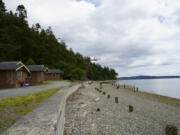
(150, 116)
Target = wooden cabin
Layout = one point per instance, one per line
(54, 74)
(37, 74)
(13, 74)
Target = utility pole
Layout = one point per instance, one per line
(88, 61)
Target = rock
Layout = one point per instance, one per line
(104, 93)
(98, 109)
(171, 130)
(108, 96)
(96, 89)
(97, 99)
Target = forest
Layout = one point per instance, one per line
(35, 45)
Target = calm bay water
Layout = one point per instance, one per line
(165, 87)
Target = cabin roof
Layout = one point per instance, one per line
(12, 65)
(55, 71)
(37, 68)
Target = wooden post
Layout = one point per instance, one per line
(131, 108)
(116, 99)
(137, 89)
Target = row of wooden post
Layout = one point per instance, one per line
(131, 108)
(133, 88)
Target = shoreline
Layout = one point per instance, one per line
(160, 98)
(164, 88)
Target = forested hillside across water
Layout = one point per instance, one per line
(35, 45)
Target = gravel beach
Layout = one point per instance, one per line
(90, 112)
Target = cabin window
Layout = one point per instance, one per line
(19, 74)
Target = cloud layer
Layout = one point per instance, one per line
(136, 37)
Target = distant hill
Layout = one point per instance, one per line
(146, 77)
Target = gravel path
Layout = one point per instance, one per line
(150, 115)
(22, 91)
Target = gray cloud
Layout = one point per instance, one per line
(134, 37)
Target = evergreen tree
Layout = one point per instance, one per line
(30, 61)
(2, 7)
(22, 12)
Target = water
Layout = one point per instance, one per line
(165, 87)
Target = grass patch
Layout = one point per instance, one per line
(41, 84)
(11, 109)
(6, 88)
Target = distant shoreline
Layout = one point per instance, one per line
(154, 95)
(147, 77)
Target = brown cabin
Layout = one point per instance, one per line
(37, 74)
(12, 74)
(54, 74)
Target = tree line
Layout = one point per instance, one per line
(35, 45)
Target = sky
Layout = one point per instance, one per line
(135, 37)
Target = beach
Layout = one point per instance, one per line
(90, 111)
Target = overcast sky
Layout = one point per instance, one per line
(135, 37)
